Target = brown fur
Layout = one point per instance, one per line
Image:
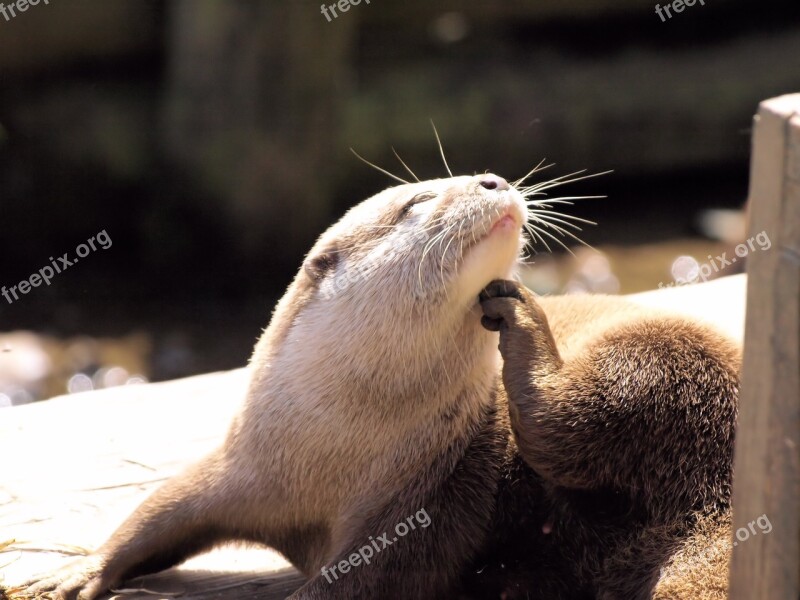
(629, 417)
(699, 569)
(577, 475)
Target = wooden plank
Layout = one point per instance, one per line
(767, 470)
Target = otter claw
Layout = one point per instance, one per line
(501, 288)
(491, 324)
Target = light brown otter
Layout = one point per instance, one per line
(376, 395)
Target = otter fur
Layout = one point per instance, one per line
(576, 461)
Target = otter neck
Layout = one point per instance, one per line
(430, 365)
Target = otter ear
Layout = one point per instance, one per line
(318, 265)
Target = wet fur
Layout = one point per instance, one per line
(578, 473)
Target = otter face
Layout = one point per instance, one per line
(436, 241)
(396, 282)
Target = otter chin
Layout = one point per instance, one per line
(559, 447)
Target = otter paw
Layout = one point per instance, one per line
(500, 301)
(78, 581)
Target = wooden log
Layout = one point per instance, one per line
(767, 469)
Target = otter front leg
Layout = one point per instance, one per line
(561, 422)
(531, 372)
(643, 407)
(178, 520)
(526, 343)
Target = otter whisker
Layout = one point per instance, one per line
(438, 220)
(530, 194)
(560, 178)
(561, 200)
(538, 168)
(431, 242)
(376, 167)
(444, 254)
(535, 236)
(542, 219)
(562, 231)
(441, 149)
(557, 216)
(555, 239)
(563, 180)
(402, 162)
(445, 232)
(439, 236)
(528, 252)
(545, 218)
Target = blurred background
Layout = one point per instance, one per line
(210, 140)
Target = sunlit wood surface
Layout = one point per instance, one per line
(73, 468)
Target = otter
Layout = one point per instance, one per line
(559, 448)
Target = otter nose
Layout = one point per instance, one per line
(493, 182)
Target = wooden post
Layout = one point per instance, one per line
(766, 566)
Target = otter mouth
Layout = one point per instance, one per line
(492, 246)
(507, 223)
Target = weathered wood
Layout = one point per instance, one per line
(767, 472)
(73, 468)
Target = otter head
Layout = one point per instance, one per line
(390, 292)
(438, 241)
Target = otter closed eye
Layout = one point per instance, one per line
(419, 198)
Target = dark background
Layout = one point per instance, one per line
(211, 138)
